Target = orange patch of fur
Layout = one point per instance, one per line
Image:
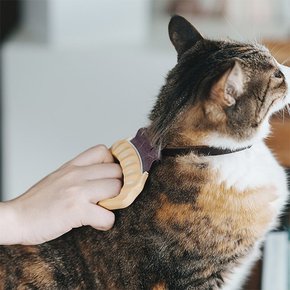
(2, 277)
(250, 210)
(215, 112)
(159, 286)
(173, 212)
(35, 269)
(234, 219)
(39, 271)
(210, 111)
(184, 135)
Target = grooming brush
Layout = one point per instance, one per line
(136, 157)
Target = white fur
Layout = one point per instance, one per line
(237, 278)
(252, 168)
(286, 71)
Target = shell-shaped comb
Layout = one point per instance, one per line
(134, 177)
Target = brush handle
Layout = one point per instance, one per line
(134, 177)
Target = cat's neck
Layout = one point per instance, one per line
(220, 141)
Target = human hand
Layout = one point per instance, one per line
(65, 199)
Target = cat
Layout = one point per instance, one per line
(201, 219)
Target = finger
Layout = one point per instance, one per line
(97, 190)
(101, 171)
(98, 217)
(96, 154)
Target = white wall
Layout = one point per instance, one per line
(77, 74)
(60, 102)
(67, 23)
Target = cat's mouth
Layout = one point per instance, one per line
(279, 104)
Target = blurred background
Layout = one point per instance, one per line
(77, 73)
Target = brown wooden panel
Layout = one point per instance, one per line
(279, 141)
(254, 281)
(280, 50)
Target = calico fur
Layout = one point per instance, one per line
(200, 221)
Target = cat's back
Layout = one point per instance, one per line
(58, 264)
(20, 264)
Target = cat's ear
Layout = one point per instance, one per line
(229, 86)
(182, 34)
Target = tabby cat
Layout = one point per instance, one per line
(201, 219)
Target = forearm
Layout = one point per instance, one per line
(65, 199)
(10, 233)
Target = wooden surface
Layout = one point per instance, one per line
(254, 281)
(279, 141)
(280, 50)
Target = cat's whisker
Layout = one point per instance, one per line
(273, 46)
(255, 41)
(234, 27)
(279, 115)
(288, 109)
(259, 37)
(276, 51)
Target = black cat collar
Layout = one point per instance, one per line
(136, 157)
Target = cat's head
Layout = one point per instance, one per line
(220, 93)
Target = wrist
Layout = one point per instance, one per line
(10, 228)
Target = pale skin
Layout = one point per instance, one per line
(65, 199)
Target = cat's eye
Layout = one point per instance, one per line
(278, 74)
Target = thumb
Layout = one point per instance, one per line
(98, 217)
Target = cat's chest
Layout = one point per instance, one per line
(251, 169)
(254, 167)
